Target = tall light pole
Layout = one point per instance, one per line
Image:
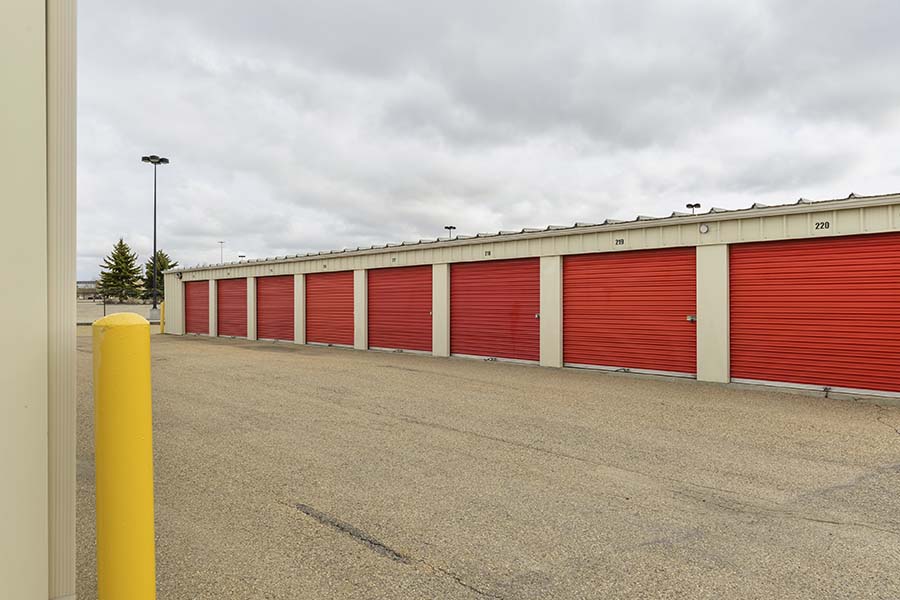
(155, 161)
(221, 251)
(449, 229)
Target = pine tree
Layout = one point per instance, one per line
(163, 263)
(120, 275)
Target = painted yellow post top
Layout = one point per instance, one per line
(123, 458)
(123, 319)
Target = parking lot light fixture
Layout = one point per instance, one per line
(154, 160)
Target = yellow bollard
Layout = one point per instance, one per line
(162, 316)
(123, 458)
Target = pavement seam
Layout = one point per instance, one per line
(380, 547)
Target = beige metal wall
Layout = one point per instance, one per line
(713, 314)
(61, 252)
(299, 309)
(174, 305)
(551, 311)
(24, 526)
(251, 308)
(711, 234)
(843, 217)
(37, 348)
(213, 308)
(440, 310)
(360, 310)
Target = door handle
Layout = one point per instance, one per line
(692, 318)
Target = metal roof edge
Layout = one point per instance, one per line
(714, 214)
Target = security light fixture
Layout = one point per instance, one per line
(693, 207)
(155, 161)
(449, 229)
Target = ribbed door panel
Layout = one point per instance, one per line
(231, 306)
(630, 309)
(275, 307)
(399, 308)
(196, 307)
(493, 307)
(820, 312)
(329, 308)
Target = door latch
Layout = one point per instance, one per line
(692, 318)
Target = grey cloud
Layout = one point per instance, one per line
(298, 126)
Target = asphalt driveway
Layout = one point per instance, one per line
(301, 472)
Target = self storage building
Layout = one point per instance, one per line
(804, 294)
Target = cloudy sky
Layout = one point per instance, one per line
(320, 124)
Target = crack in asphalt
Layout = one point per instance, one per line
(880, 419)
(735, 505)
(354, 532)
(413, 420)
(892, 469)
(460, 581)
(739, 507)
(380, 547)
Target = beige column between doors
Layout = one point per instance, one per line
(713, 314)
(213, 309)
(251, 308)
(551, 311)
(299, 308)
(360, 311)
(440, 310)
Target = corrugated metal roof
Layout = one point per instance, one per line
(738, 212)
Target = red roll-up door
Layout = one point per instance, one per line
(275, 307)
(196, 307)
(630, 310)
(823, 312)
(329, 308)
(493, 308)
(231, 307)
(399, 308)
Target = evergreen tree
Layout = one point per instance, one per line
(120, 275)
(163, 263)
